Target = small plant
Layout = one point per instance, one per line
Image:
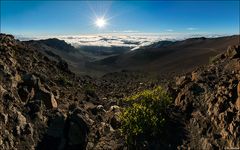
(145, 115)
(63, 80)
(212, 59)
(89, 90)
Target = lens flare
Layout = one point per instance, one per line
(100, 22)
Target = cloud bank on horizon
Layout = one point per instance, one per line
(131, 40)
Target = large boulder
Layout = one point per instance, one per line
(181, 81)
(47, 97)
(78, 128)
(56, 125)
(30, 80)
(113, 116)
(26, 87)
(237, 103)
(21, 123)
(233, 51)
(2, 91)
(26, 93)
(31, 88)
(55, 135)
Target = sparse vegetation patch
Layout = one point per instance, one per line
(145, 114)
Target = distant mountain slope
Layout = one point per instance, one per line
(57, 44)
(167, 56)
(56, 49)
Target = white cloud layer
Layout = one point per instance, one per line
(132, 40)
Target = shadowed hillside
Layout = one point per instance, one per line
(166, 56)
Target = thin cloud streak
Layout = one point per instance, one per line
(191, 28)
(169, 30)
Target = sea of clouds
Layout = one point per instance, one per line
(133, 41)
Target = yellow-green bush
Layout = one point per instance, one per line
(145, 114)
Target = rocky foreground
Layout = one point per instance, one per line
(209, 97)
(46, 106)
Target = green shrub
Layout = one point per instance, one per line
(89, 90)
(212, 59)
(145, 114)
(63, 80)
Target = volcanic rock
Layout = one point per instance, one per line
(78, 131)
(47, 97)
(233, 51)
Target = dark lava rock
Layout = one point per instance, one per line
(77, 130)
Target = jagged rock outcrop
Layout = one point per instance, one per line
(42, 103)
(30, 88)
(209, 98)
(233, 52)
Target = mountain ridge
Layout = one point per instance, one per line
(157, 59)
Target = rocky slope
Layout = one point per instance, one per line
(43, 105)
(209, 98)
(56, 49)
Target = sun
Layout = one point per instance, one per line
(100, 22)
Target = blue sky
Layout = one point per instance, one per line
(78, 17)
